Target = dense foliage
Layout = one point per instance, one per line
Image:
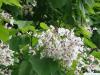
(49, 37)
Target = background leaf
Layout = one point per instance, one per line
(25, 68)
(58, 3)
(18, 41)
(44, 66)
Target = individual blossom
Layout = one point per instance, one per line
(10, 24)
(32, 51)
(34, 3)
(60, 44)
(61, 31)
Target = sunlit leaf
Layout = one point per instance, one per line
(12, 2)
(89, 43)
(34, 41)
(43, 25)
(4, 34)
(28, 28)
(96, 54)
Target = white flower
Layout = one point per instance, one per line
(5, 71)
(32, 51)
(60, 44)
(6, 55)
(61, 31)
(34, 3)
(88, 62)
(5, 15)
(52, 27)
(11, 21)
(91, 58)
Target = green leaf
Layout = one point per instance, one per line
(70, 71)
(34, 41)
(12, 31)
(25, 68)
(96, 38)
(28, 28)
(44, 66)
(82, 10)
(58, 3)
(25, 25)
(1, 3)
(17, 42)
(68, 16)
(15, 70)
(74, 64)
(90, 3)
(89, 43)
(43, 25)
(22, 23)
(84, 31)
(4, 34)
(12, 2)
(96, 54)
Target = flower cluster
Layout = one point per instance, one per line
(5, 15)
(60, 44)
(87, 64)
(9, 19)
(6, 55)
(5, 71)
